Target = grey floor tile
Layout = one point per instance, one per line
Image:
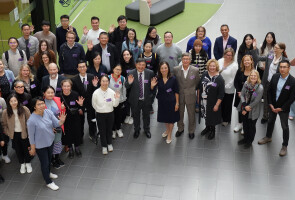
(154, 190)
(137, 188)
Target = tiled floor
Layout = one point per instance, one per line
(149, 169)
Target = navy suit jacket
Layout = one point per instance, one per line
(218, 46)
(46, 82)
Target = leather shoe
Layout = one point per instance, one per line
(178, 133)
(205, 131)
(191, 135)
(1, 179)
(78, 153)
(148, 134)
(136, 134)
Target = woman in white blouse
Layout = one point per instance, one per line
(104, 100)
(228, 69)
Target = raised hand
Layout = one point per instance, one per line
(32, 28)
(95, 81)
(71, 28)
(130, 79)
(112, 28)
(85, 30)
(254, 43)
(62, 116)
(139, 43)
(62, 106)
(89, 45)
(117, 95)
(154, 82)
(80, 101)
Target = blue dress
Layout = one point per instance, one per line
(166, 101)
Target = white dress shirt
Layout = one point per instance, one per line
(185, 72)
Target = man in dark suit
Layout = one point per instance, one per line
(140, 96)
(108, 52)
(85, 84)
(53, 79)
(188, 78)
(281, 94)
(223, 42)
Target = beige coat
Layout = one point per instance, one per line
(9, 123)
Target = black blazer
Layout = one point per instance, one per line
(79, 88)
(116, 38)
(218, 46)
(287, 95)
(34, 88)
(114, 57)
(45, 83)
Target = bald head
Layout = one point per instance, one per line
(52, 70)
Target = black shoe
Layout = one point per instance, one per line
(205, 131)
(211, 134)
(247, 145)
(242, 141)
(1, 179)
(71, 153)
(78, 153)
(191, 135)
(148, 134)
(263, 121)
(60, 162)
(136, 134)
(178, 133)
(56, 165)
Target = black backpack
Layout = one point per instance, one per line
(7, 55)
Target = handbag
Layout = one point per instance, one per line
(73, 111)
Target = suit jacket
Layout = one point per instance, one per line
(218, 46)
(79, 87)
(46, 82)
(134, 87)
(114, 57)
(287, 95)
(187, 86)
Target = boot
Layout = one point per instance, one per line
(211, 133)
(205, 131)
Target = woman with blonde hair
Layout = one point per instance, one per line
(249, 106)
(31, 84)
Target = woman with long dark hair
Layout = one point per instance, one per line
(246, 48)
(153, 37)
(132, 44)
(127, 62)
(199, 56)
(43, 46)
(42, 70)
(151, 58)
(97, 69)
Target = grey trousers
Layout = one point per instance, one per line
(265, 104)
(191, 117)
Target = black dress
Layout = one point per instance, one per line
(239, 81)
(166, 101)
(72, 124)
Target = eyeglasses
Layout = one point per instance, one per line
(71, 38)
(18, 87)
(40, 104)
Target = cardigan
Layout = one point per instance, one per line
(9, 123)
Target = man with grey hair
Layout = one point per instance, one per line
(188, 79)
(53, 79)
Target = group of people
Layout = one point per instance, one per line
(43, 106)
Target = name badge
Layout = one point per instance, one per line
(124, 38)
(108, 54)
(169, 90)
(33, 86)
(197, 65)
(127, 71)
(102, 74)
(146, 81)
(254, 94)
(108, 100)
(214, 84)
(228, 46)
(192, 77)
(57, 112)
(204, 44)
(135, 50)
(75, 55)
(171, 57)
(58, 89)
(270, 56)
(86, 82)
(25, 102)
(20, 59)
(10, 80)
(29, 45)
(116, 85)
(287, 87)
(72, 103)
(0, 107)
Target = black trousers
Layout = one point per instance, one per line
(249, 127)
(105, 122)
(284, 123)
(240, 116)
(92, 125)
(118, 112)
(21, 148)
(3, 150)
(226, 107)
(45, 155)
(145, 115)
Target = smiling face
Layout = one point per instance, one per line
(248, 41)
(1, 66)
(104, 82)
(40, 106)
(82, 68)
(97, 60)
(52, 70)
(49, 94)
(153, 33)
(13, 102)
(277, 50)
(212, 67)
(186, 60)
(201, 33)
(25, 72)
(148, 47)
(247, 62)
(103, 39)
(140, 66)
(253, 77)
(269, 39)
(127, 56)
(131, 35)
(224, 31)
(95, 24)
(228, 57)
(26, 31)
(66, 87)
(117, 70)
(164, 69)
(45, 59)
(19, 88)
(197, 48)
(168, 38)
(44, 46)
(122, 24)
(13, 43)
(284, 69)
(70, 39)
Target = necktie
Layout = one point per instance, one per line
(85, 85)
(27, 49)
(140, 86)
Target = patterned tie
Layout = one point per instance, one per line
(140, 86)
(85, 86)
(27, 49)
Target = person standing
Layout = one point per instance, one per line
(168, 100)
(3, 137)
(153, 37)
(6, 80)
(104, 100)
(2, 144)
(210, 95)
(281, 94)
(131, 43)
(53, 79)
(92, 34)
(23, 97)
(188, 79)
(169, 52)
(43, 48)
(247, 48)
(47, 35)
(223, 42)
(140, 96)
(199, 56)
(97, 69)
(151, 58)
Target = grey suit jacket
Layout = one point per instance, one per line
(134, 87)
(254, 102)
(187, 86)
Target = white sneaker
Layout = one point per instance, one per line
(114, 134)
(110, 148)
(29, 168)
(120, 133)
(22, 168)
(104, 151)
(238, 127)
(242, 131)
(53, 186)
(53, 176)
(6, 159)
(130, 120)
(126, 121)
